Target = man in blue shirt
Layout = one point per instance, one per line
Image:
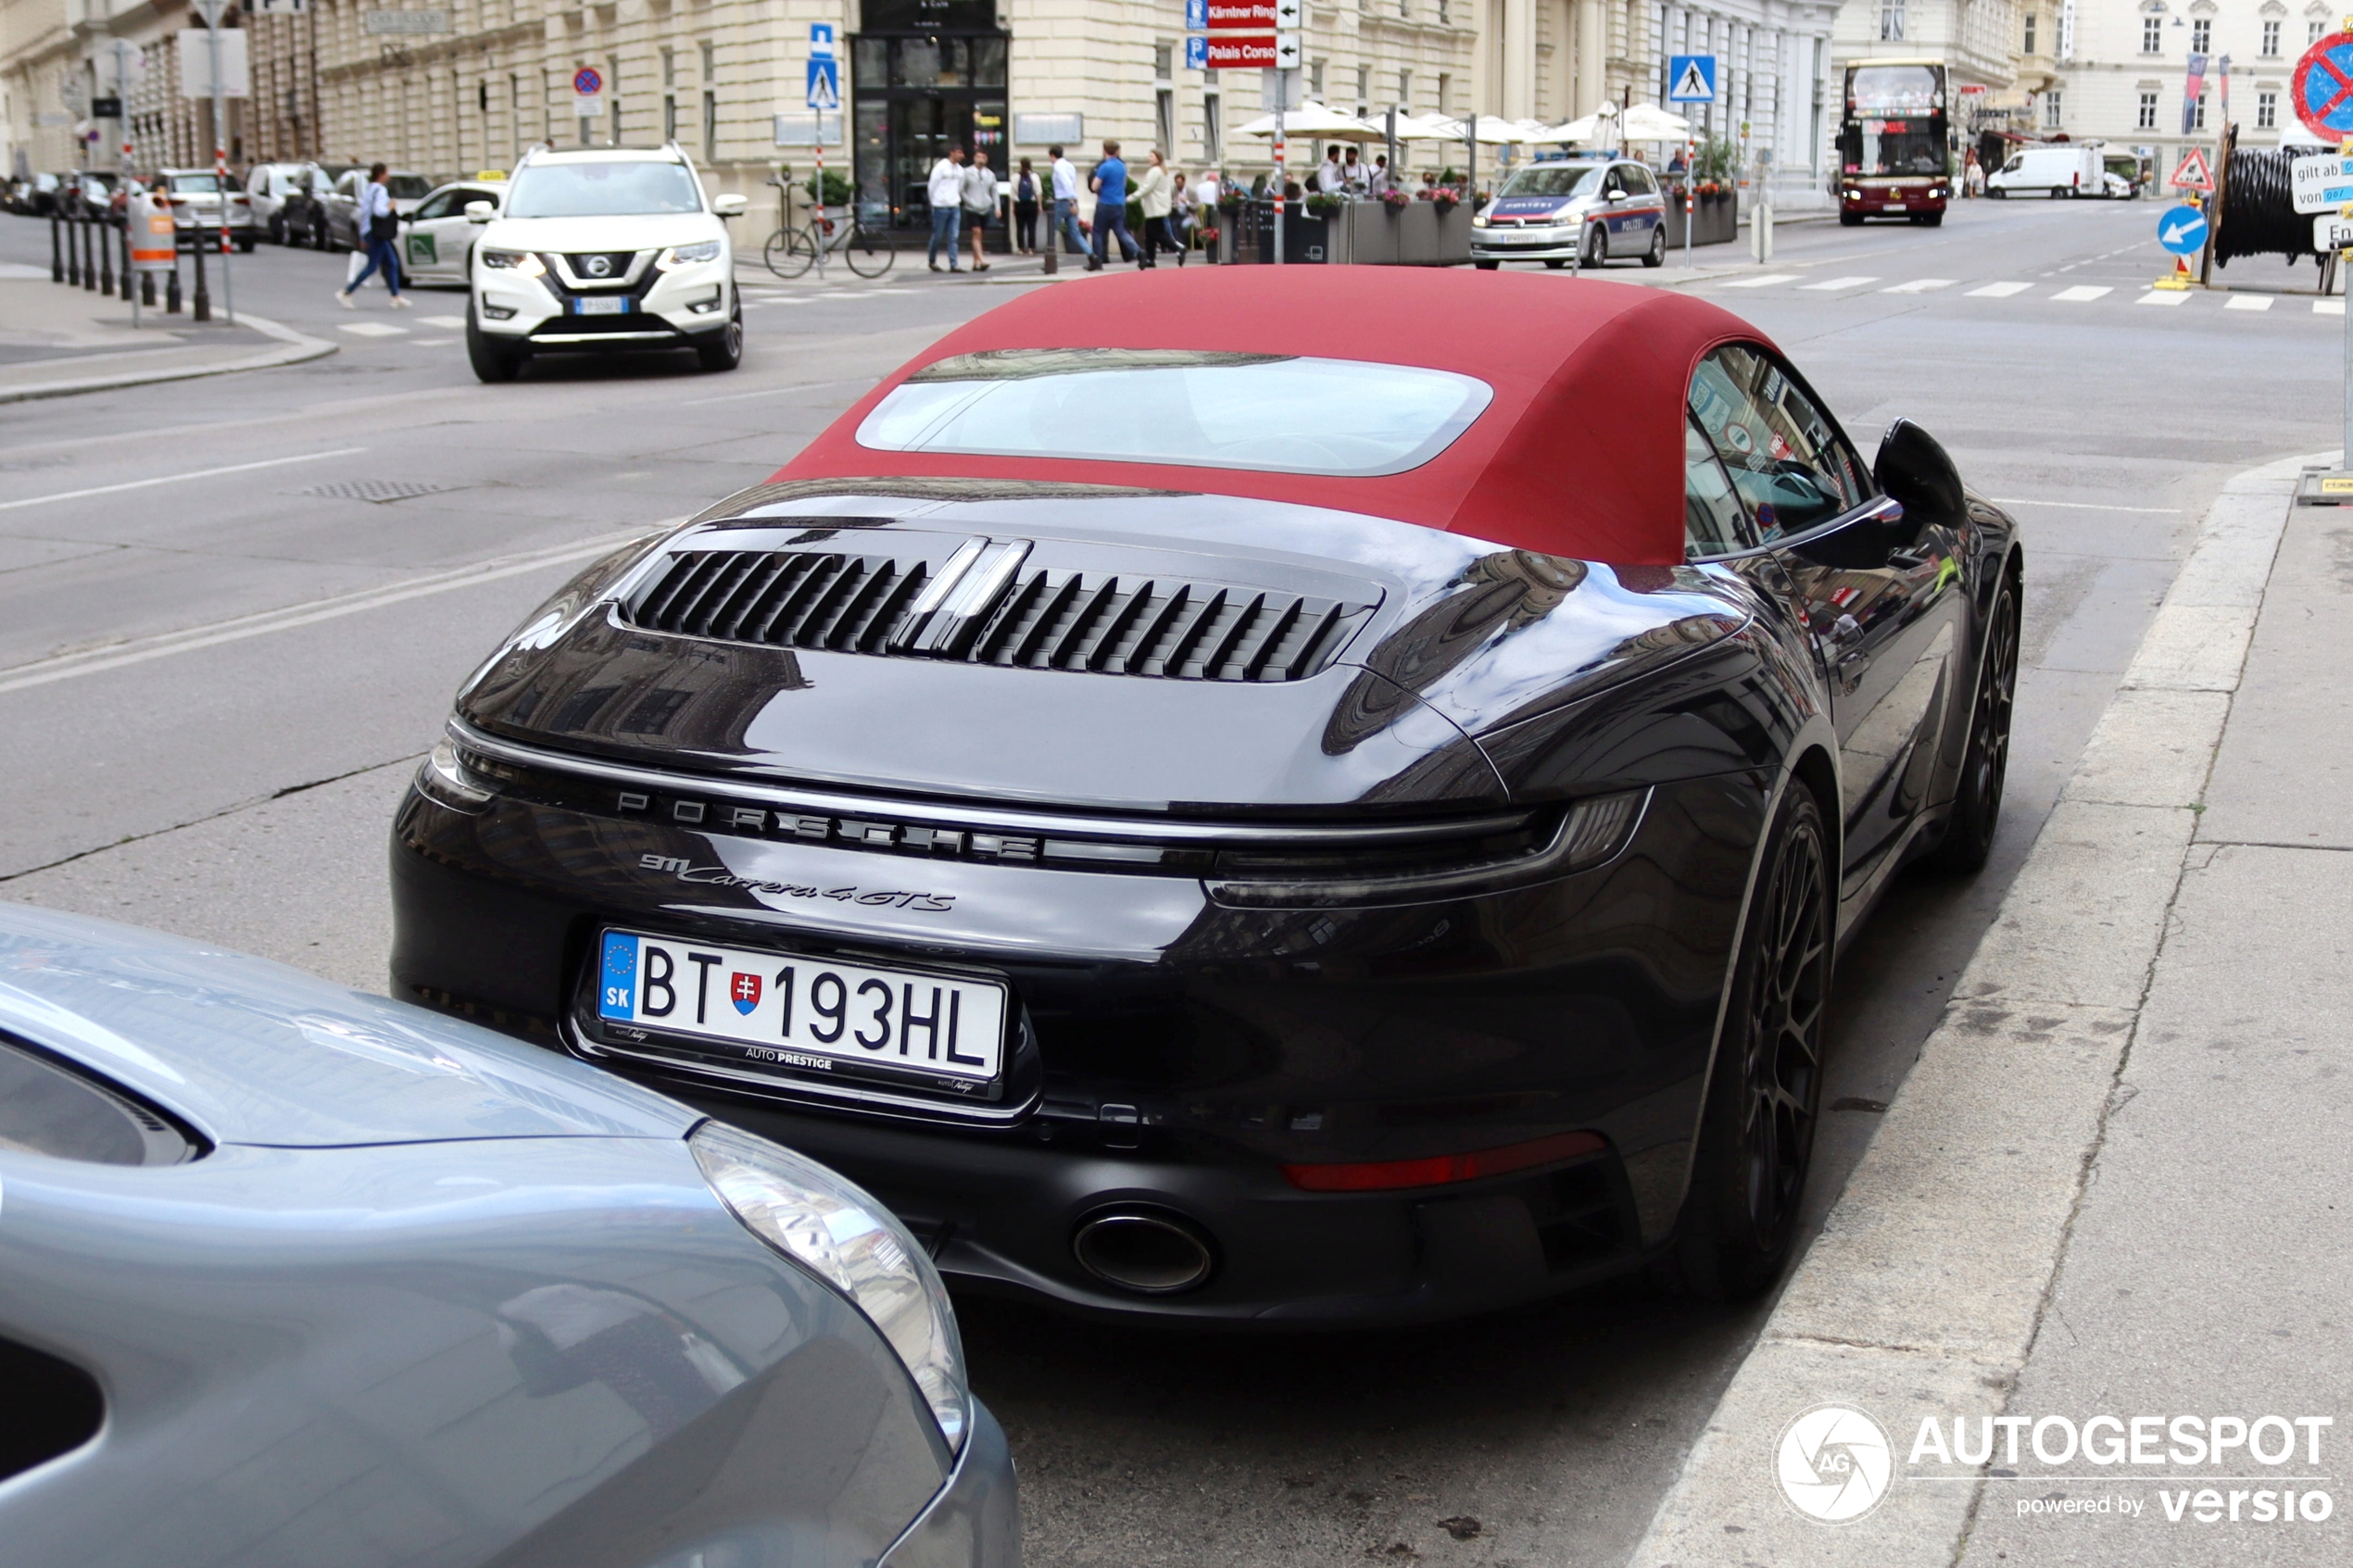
(1110, 185)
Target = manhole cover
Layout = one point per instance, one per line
(378, 490)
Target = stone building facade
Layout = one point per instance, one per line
(2121, 72)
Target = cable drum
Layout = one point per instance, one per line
(2259, 210)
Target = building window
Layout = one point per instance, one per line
(2030, 35)
(1891, 21)
(2148, 120)
(2198, 122)
(2267, 112)
(1404, 92)
(2051, 111)
(1445, 13)
(2152, 36)
(669, 95)
(1316, 79)
(2312, 32)
(1213, 128)
(2201, 36)
(1445, 90)
(1364, 91)
(1165, 119)
(710, 106)
(2271, 40)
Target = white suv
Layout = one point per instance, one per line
(600, 249)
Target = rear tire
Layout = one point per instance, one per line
(1657, 254)
(277, 228)
(725, 351)
(1756, 1129)
(1556, 262)
(1977, 807)
(493, 361)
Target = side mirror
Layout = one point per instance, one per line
(728, 207)
(1619, 196)
(1914, 468)
(480, 212)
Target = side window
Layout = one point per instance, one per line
(1714, 523)
(1786, 460)
(1614, 181)
(437, 207)
(1639, 181)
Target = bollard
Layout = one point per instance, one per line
(73, 254)
(171, 291)
(105, 240)
(56, 251)
(89, 254)
(122, 238)
(200, 305)
(147, 289)
(1052, 265)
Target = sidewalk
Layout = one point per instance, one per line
(57, 340)
(2116, 1183)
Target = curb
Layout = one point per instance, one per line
(299, 349)
(1926, 1289)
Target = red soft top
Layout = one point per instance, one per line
(1579, 454)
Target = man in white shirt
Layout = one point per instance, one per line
(1065, 219)
(1353, 172)
(1330, 179)
(945, 189)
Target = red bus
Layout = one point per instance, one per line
(1894, 142)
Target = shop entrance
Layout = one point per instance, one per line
(926, 75)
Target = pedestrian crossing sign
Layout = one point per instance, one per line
(1691, 79)
(825, 84)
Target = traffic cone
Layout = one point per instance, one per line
(2179, 279)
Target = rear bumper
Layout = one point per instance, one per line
(975, 1520)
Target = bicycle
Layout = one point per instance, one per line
(792, 251)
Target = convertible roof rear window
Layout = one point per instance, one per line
(1277, 413)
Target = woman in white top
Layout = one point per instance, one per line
(1157, 195)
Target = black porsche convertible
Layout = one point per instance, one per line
(1213, 813)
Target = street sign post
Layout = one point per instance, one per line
(587, 97)
(2181, 230)
(2321, 182)
(2321, 88)
(1691, 79)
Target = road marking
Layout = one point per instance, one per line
(374, 329)
(176, 478)
(43, 672)
(2081, 293)
(2078, 505)
(1921, 285)
(2164, 297)
(1999, 291)
(431, 342)
(780, 391)
(2247, 302)
(1840, 283)
(2328, 307)
(448, 323)
(1761, 280)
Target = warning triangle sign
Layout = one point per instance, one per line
(1692, 83)
(2193, 174)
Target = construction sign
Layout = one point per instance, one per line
(2193, 173)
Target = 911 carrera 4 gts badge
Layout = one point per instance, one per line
(744, 991)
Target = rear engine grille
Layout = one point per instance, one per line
(1047, 620)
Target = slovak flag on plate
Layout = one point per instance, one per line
(744, 991)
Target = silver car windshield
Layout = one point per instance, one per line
(616, 189)
(1554, 180)
(1271, 412)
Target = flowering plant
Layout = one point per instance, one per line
(1230, 199)
(1445, 198)
(1323, 203)
(1394, 199)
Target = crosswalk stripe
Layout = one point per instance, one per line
(374, 329)
(2328, 307)
(2247, 302)
(1921, 285)
(1840, 283)
(1999, 291)
(2081, 292)
(1760, 281)
(450, 324)
(2163, 296)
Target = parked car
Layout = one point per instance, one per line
(315, 1277)
(87, 192)
(289, 201)
(199, 201)
(39, 196)
(408, 191)
(1215, 817)
(2064, 170)
(437, 244)
(2123, 175)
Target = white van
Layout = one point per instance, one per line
(2066, 170)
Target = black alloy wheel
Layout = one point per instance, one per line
(1596, 246)
(1977, 807)
(724, 350)
(1657, 254)
(1756, 1132)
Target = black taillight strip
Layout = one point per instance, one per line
(1306, 837)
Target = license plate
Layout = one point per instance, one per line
(605, 305)
(789, 1012)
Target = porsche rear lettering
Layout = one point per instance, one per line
(865, 833)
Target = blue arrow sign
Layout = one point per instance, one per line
(2181, 230)
(824, 86)
(1691, 79)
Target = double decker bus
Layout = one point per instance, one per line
(1894, 142)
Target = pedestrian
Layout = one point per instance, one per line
(1110, 185)
(1972, 176)
(1184, 216)
(1330, 179)
(1156, 194)
(1066, 193)
(980, 204)
(379, 227)
(1383, 179)
(1026, 210)
(1355, 174)
(945, 191)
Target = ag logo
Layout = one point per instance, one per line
(600, 265)
(1833, 1463)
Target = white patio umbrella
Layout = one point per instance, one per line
(1648, 122)
(1493, 131)
(1318, 123)
(1593, 126)
(1429, 128)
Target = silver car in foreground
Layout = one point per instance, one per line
(292, 1274)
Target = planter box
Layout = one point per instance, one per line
(1305, 239)
(1716, 222)
(1373, 235)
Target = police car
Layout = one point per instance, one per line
(1587, 210)
(599, 250)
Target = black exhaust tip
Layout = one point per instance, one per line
(1146, 1250)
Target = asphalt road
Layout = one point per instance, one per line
(218, 666)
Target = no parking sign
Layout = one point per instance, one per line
(2321, 89)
